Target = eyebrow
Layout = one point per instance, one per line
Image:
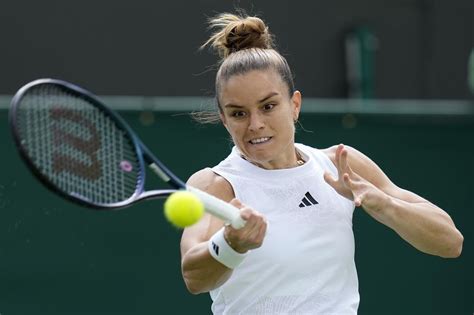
(230, 105)
(272, 94)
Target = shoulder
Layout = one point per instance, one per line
(210, 182)
(330, 153)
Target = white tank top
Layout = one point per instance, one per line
(306, 263)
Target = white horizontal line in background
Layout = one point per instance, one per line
(310, 105)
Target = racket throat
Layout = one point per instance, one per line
(159, 172)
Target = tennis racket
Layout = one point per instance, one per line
(85, 152)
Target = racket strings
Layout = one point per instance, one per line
(77, 146)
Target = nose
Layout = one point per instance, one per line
(256, 122)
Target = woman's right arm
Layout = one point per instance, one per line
(201, 272)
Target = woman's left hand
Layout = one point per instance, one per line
(353, 186)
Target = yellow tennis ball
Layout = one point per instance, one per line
(183, 208)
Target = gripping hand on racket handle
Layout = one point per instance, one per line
(250, 236)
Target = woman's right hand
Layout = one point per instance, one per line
(249, 237)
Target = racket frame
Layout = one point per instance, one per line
(214, 206)
(141, 151)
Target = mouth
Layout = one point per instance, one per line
(260, 140)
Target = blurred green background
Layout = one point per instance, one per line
(416, 55)
(58, 258)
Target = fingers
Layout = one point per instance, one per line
(342, 160)
(256, 223)
(347, 180)
(350, 182)
(236, 203)
(329, 179)
(358, 201)
(252, 234)
(343, 168)
(354, 186)
(339, 149)
(344, 164)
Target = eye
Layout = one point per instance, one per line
(238, 114)
(269, 106)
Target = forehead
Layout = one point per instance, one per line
(251, 86)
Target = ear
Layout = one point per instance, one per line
(296, 105)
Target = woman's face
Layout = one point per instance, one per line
(259, 115)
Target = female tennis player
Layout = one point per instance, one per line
(296, 251)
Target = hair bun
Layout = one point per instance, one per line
(236, 33)
(248, 33)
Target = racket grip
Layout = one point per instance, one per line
(219, 208)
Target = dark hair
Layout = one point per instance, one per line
(244, 44)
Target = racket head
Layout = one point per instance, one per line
(75, 145)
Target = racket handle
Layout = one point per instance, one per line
(219, 208)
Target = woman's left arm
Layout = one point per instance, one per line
(421, 223)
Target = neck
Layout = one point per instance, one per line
(295, 161)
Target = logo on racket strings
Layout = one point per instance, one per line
(68, 160)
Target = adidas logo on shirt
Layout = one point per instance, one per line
(308, 200)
